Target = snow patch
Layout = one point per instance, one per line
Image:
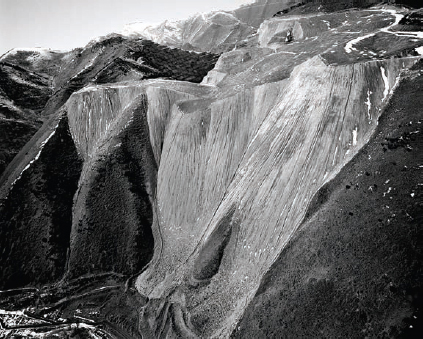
(36, 157)
(19, 80)
(42, 51)
(388, 191)
(349, 46)
(386, 81)
(354, 132)
(369, 103)
(397, 80)
(334, 156)
(167, 31)
(137, 28)
(419, 50)
(222, 15)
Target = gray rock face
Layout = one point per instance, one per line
(205, 192)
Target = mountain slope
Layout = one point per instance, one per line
(364, 249)
(194, 202)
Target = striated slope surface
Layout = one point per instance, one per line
(362, 267)
(197, 192)
(111, 59)
(122, 166)
(286, 160)
(110, 127)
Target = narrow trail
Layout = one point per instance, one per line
(349, 47)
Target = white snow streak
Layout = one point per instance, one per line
(397, 80)
(334, 155)
(354, 132)
(386, 81)
(369, 104)
(36, 157)
(349, 46)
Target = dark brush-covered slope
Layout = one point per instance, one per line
(114, 204)
(36, 217)
(23, 95)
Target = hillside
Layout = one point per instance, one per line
(211, 178)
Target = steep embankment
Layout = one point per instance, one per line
(110, 125)
(196, 192)
(363, 263)
(291, 154)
